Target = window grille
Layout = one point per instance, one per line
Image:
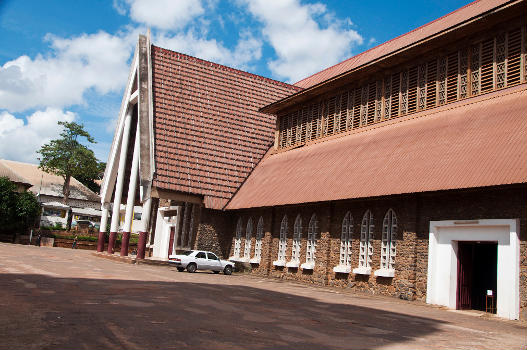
(248, 238)
(258, 242)
(491, 61)
(238, 239)
(312, 240)
(346, 240)
(366, 240)
(297, 238)
(282, 244)
(388, 249)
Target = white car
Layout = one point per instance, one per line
(193, 260)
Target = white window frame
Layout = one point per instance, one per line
(282, 243)
(388, 245)
(311, 249)
(366, 244)
(346, 236)
(297, 240)
(258, 242)
(237, 241)
(248, 240)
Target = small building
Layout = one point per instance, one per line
(84, 203)
(401, 171)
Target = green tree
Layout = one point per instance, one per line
(18, 211)
(67, 157)
(89, 181)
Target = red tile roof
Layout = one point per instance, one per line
(208, 132)
(471, 143)
(452, 19)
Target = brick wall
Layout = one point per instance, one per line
(414, 213)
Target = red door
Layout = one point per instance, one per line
(464, 276)
(171, 241)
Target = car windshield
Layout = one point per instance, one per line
(187, 252)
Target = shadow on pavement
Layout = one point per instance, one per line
(41, 312)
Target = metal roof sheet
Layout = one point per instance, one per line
(208, 132)
(475, 142)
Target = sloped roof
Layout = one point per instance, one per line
(454, 18)
(475, 142)
(208, 132)
(14, 177)
(51, 184)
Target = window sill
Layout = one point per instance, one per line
(384, 273)
(235, 258)
(244, 259)
(308, 266)
(292, 264)
(255, 261)
(279, 263)
(342, 269)
(362, 270)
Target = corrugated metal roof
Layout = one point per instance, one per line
(14, 177)
(208, 132)
(471, 143)
(454, 18)
(51, 184)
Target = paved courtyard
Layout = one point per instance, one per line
(54, 298)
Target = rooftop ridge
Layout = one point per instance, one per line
(230, 69)
(386, 42)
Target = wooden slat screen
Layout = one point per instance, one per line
(485, 65)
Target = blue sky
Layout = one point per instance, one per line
(68, 60)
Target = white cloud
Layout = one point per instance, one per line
(96, 61)
(306, 38)
(247, 49)
(162, 14)
(20, 140)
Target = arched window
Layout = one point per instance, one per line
(389, 231)
(346, 239)
(238, 239)
(297, 238)
(258, 243)
(312, 232)
(248, 237)
(282, 243)
(366, 240)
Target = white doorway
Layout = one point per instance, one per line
(443, 252)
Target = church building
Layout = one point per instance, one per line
(400, 171)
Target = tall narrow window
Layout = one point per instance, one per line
(344, 265)
(311, 250)
(297, 238)
(237, 240)
(389, 231)
(366, 247)
(258, 243)
(248, 238)
(282, 243)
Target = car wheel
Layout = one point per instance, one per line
(181, 269)
(192, 268)
(216, 272)
(227, 270)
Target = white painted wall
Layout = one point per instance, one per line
(442, 260)
(162, 233)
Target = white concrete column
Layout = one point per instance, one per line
(120, 180)
(102, 228)
(143, 230)
(132, 185)
(130, 199)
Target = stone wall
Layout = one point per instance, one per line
(414, 213)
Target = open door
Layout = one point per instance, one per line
(171, 240)
(464, 276)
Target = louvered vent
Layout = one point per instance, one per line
(514, 49)
(487, 56)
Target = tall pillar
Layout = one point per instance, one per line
(102, 229)
(130, 199)
(143, 234)
(120, 181)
